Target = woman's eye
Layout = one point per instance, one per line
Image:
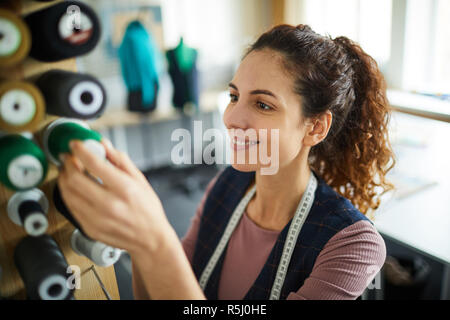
(264, 106)
(233, 97)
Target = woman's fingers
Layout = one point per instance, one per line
(77, 163)
(95, 208)
(121, 160)
(71, 179)
(122, 210)
(89, 202)
(111, 177)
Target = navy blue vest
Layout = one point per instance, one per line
(329, 214)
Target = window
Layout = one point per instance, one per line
(410, 43)
(427, 46)
(364, 21)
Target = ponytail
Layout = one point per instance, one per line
(337, 75)
(363, 151)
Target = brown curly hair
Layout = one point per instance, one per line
(337, 75)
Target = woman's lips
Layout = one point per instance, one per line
(238, 144)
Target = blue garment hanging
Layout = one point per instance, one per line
(138, 58)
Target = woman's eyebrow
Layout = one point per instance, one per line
(257, 91)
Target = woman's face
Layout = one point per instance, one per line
(262, 99)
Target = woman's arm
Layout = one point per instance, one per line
(167, 278)
(346, 265)
(188, 243)
(166, 272)
(125, 212)
(190, 238)
(139, 290)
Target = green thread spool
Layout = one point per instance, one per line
(59, 134)
(22, 163)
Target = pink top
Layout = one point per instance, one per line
(344, 268)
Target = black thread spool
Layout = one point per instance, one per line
(101, 254)
(67, 29)
(29, 209)
(43, 268)
(33, 218)
(72, 95)
(62, 208)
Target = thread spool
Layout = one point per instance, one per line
(22, 106)
(29, 209)
(43, 268)
(22, 163)
(65, 30)
(72, 95)
(15, 39)
(59, 133)
(62, 209)
(98, 252)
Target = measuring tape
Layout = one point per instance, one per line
(291, 239)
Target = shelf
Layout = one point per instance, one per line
(122, 117)
(419, 105)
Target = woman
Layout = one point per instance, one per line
(298, 234)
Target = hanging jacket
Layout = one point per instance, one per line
(184, 76)
(138, 56)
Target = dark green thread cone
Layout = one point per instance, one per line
(61, 135)
(22, 163)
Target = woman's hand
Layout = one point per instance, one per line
(124, 211)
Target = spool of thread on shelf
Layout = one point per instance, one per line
(22, 163)
(65, 30)
(15, 39)
(43, 268)
(59, 133)
(29, 209)
(22, 106)
(33, 218)
(62, 209)
(72, 95)
(99, 253)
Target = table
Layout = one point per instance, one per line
(420, 220)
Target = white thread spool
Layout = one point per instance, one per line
(99, 253)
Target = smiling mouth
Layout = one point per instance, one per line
(243, 142)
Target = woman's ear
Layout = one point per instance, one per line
(317, 128)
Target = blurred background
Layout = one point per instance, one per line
(408, 39)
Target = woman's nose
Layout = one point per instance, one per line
(236, 116)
